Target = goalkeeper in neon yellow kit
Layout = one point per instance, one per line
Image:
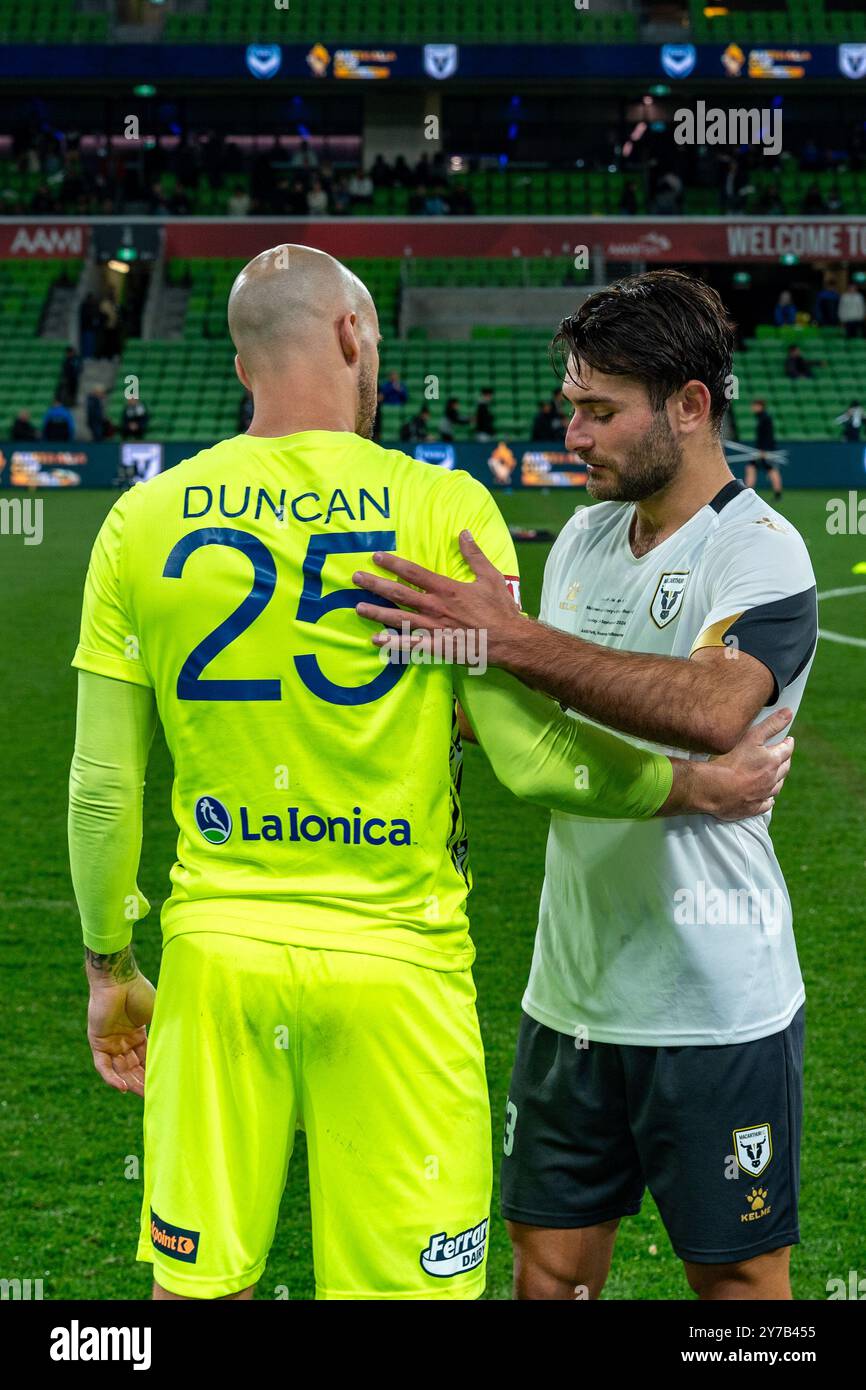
(316, 965)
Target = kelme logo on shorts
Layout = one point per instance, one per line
(174, 1240)
(446, 1255)
(213, 820)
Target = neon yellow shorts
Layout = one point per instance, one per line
(378, 1060)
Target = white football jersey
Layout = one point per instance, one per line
(676, 930)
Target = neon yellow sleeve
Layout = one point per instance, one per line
(114, 730)
(535, 749)
(552, 760)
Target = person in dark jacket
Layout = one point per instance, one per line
(765, 443)
(58, 422)
(483, 423)
(544, 424)
(23, 427)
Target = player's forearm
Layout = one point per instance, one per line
(663, 699)
(114, 729)
(547, 758)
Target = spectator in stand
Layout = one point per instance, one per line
(109, 337)
(135, 418)
(786, 310)
(239, 202)
(70, 375)
(417, 430)
(765, 443)
(827, 304)
(341, 202)
(89, 323)
(360, 188)
(23, 427)
(95, 414)
(381, 175)
(851, 421)
(179, 204)
(418, 201)
(317, 199)
(451, 419)
(245, 412)
(813, 203)
(797, 366)
(544, 426)
(393, 391)
(305, 157)
(58, 422)
(852, 312)
(483, 423)
(435, 204)
(668, 199)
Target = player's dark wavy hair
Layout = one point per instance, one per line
(663, 329)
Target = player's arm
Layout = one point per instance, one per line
(114, 729)
(703, 703)
(546, 757)
(116, 717)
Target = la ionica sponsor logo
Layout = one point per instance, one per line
(215, 822)
(448, 1255)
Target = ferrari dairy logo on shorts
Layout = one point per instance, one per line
(171, 1240)
(668, 597)
(213, 820)
(447, 1255)
(754, 1149)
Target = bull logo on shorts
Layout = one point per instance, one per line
(754, 1149)
(668, 598)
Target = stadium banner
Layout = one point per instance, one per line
(659, 241)
(31, 238)
(323, 63)
(499, 464)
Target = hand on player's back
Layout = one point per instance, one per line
(744, 782)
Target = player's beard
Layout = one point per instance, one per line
(650, 465)
(368, 400)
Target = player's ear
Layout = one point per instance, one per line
(693, 406)
(347, 334)
(241, 374)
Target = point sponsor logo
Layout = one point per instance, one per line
(175, 1241)
(446, 1255)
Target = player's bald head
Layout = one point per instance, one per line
(289, 300)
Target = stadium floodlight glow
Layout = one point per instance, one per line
(790, 259)
(127, 253)
(742, 279)
(660, 90)
(859, 277)
(144, 89)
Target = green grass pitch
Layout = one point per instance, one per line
(71, 1149)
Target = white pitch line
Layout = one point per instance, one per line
(842, 637)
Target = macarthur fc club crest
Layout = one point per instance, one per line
(754, 1149)
(668, 598)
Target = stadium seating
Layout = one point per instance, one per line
(29, 367)
(50, 21)
(804, 21)
(803, 409)
(345, 22)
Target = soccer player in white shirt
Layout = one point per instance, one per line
(662, 1035)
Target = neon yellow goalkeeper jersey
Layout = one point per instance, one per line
(316, 786)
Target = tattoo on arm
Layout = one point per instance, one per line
(118, 966)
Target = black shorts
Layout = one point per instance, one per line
(713, 1132)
